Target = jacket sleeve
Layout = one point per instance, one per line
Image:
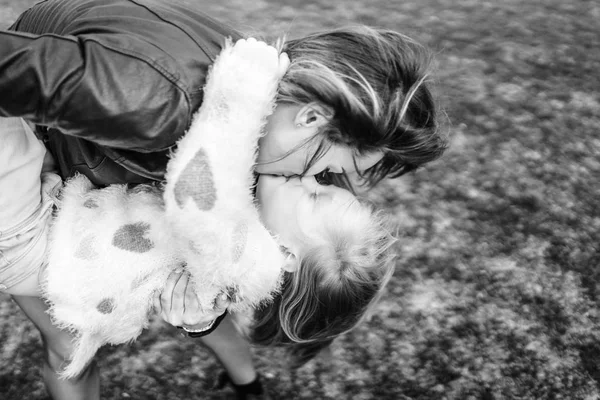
(92, 90)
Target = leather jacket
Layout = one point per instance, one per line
(111, 84)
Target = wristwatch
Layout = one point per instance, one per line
(195, 333)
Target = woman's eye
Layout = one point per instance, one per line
(287, 178)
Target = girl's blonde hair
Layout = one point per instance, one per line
(375, 81)
(340, 277)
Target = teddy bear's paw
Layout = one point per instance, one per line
(260, 56)
(249, 69)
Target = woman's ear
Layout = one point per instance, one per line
(313, 115)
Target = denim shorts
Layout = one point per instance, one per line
(23, 246)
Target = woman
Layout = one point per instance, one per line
(112, 85)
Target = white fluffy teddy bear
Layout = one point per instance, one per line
(112, 248)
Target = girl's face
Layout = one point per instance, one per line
(293, 209)
(287, 129)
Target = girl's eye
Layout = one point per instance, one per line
(324, 178)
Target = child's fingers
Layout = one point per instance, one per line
(180, 288)
(191, 302)
(178, 299)
(172, 303)
(221, 304)
(156, 303)
(167, 293)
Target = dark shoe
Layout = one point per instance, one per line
(250, 391)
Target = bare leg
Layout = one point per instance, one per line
(57, 347)
(233, 351)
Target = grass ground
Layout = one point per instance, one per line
(496, 293)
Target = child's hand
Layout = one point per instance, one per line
(179, 306)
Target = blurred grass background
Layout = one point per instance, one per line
(496, 293)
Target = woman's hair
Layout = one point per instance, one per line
(339, 278)
(375, 82)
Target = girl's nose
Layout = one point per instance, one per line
(309, 182)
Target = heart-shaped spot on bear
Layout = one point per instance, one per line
(85, 249)
(106, 306)
(130, 237)
(240, 236)
(197, 182)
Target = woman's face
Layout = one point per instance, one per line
(293, 209)
(287, 129)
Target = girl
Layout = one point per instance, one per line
(341, 254)
(112, 84)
